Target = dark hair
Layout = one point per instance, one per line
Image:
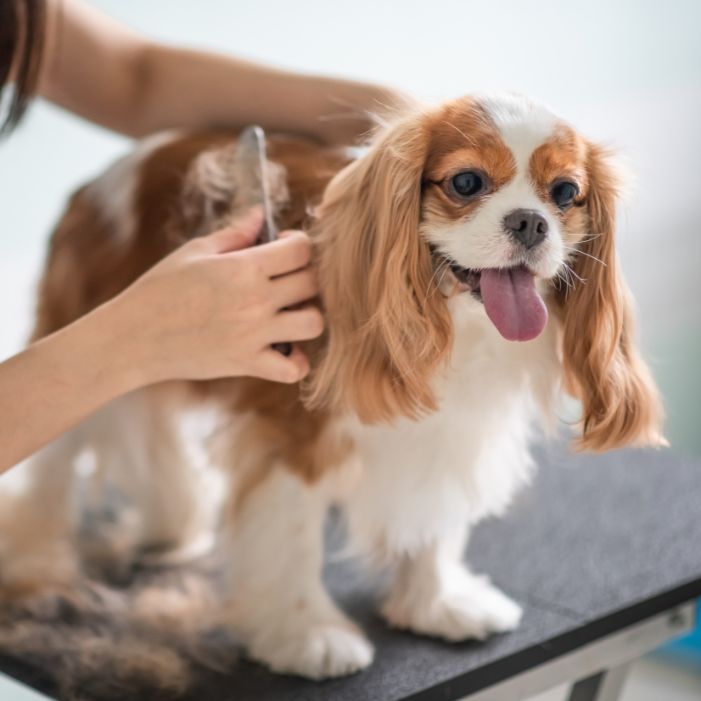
(22, 32)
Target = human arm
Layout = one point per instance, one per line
(230, 308)
(114, 76)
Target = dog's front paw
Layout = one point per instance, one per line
(320, 651)
(475, 611)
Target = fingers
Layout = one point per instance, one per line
(294, 288)
(290, 252)
(279, 368)
(297, 325)
(241, 234)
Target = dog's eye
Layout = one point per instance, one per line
(468, 183)
(563, 194)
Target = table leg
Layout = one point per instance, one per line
(603, 686)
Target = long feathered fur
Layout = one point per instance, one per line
(601, 364)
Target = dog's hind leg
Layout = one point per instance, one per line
(147, 451)
(278, 602)
(38, 520)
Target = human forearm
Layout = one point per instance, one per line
(193, 88)
(116, 77)
(58, 381)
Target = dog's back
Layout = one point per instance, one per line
(171, 188)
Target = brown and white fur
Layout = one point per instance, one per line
(415, 418)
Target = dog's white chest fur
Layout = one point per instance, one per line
(423, 479)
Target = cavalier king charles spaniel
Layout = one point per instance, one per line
(468, 271)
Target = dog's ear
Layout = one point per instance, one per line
(389, 327)
(602, 366)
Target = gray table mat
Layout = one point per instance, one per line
(596, 543)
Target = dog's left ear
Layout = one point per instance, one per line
(602, 366)
(389, 328)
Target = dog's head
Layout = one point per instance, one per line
(496, 200)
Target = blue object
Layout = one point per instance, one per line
(689, 646)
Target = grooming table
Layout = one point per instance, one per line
(603, 552)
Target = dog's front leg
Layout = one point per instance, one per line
(434, 593)
(278, 602)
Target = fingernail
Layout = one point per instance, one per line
(249, 222)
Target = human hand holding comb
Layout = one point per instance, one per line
(240, 306)
(216, 306)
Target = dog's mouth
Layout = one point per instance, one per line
(510, 298)
(468, 278)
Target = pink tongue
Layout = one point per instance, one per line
(512, 303)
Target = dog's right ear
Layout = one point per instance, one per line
(389, 327)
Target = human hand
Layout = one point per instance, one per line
(214, 307)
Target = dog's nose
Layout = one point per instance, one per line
(526, 226)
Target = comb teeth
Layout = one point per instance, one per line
(251, 178)
(250, 143)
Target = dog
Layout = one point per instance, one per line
(468, 272)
